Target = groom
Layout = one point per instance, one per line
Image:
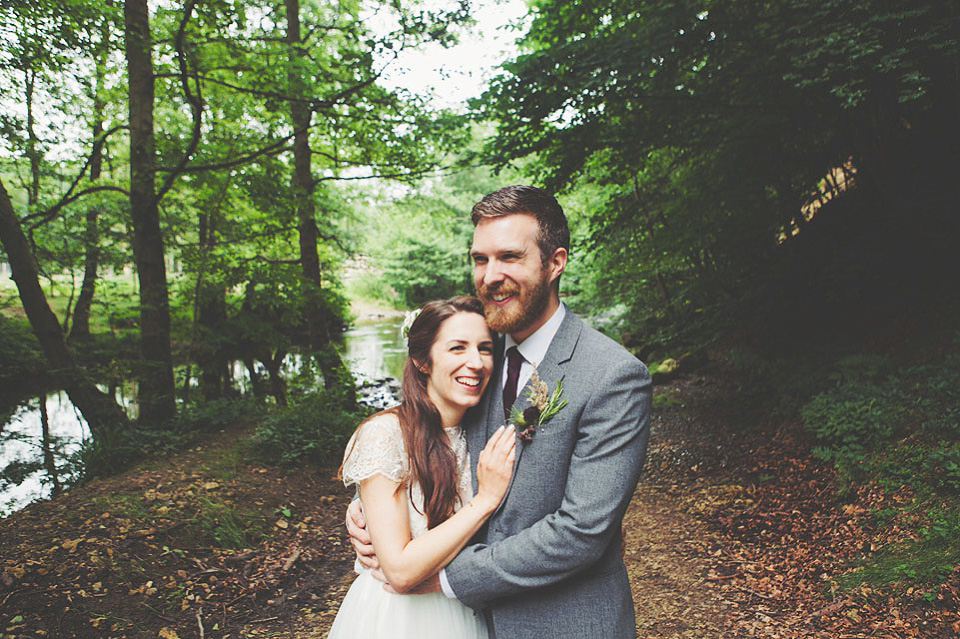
(548, 563)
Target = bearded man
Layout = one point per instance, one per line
(548, 562)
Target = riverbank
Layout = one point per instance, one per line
(734, 531)
(366, 310)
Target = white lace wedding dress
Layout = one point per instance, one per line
(370, 612)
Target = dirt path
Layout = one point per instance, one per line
(733, 532)
(667, 556)
(669, 551)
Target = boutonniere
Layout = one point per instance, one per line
(543, 406)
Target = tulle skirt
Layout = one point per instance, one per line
(370, 612)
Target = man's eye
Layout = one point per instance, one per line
(479, 260)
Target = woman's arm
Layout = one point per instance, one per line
(405, 561)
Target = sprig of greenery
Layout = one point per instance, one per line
(544, 406)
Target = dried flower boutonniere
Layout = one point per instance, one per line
(543, 406)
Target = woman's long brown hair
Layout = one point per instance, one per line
(433, 464)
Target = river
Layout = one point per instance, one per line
(373, 349)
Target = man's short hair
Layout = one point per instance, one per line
(511, 200)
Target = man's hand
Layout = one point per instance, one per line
(428, 585)
(359, 537)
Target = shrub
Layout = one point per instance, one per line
(851, 420)
(20, 355)
(900, 430)
(315, 429)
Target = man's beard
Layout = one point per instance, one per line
(531, 307)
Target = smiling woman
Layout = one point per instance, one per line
(412, 471)
(461, 360)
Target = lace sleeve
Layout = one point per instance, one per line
(376, 448)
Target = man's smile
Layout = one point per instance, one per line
(500, 296)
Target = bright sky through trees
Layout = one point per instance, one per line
(452, 75)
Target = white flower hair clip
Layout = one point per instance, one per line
(408, 319)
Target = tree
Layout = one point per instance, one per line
(80, 329)
(242, 119)
(710, 127)
(100, 410)
(157, 395)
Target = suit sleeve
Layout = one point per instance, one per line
(607, 458)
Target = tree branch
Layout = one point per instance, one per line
(69, 197)
(272, 149)
(51, 213)
(196, 103)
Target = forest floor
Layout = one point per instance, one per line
(735, 531)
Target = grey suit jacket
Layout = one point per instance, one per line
(548, 562)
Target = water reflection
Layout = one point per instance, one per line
(23, 448)
(373, 350)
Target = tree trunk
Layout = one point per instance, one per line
(302, 182)
(33, 144)
(91, 235)
(256, 382)
(156, 394)
(318, 337)
(91, 263)
(278, 386)
(210, 308)
(100, 411)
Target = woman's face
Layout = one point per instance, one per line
(461, 363)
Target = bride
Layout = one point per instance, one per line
(412, 471)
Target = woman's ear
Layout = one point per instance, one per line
(422, 367)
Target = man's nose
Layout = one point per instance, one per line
(492, 273)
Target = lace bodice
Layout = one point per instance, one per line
(378, 447)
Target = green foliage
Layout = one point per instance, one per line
(114, 449)
(423, 266)
(899, 428)
(371, 286)
(852, 420)
(226, 525)
(20, 355)
(315, 429)
(926, 562)
(667, 398)
(418, 243)
(700, 131)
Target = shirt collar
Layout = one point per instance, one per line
(534, 348)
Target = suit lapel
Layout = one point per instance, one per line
(550, 370)
(560, 351)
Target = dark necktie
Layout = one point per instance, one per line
(514, 359)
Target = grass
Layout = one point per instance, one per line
(227, 525)
(667, 397)
(224, 466)
(123, 505)
(925, 563)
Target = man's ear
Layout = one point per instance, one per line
(557, 263)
